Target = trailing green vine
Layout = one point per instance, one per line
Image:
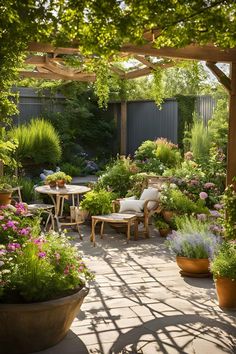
(158, 87)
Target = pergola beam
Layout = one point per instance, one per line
(220, 75)
(54, 76)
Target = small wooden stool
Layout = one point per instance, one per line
(129, 219)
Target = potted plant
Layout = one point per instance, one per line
(5, 193)
(223, 267)
(193, 244)
(58, 179)
(162, 226)
(173, 202)
(42, 284)
(97, 202)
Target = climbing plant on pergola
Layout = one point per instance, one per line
(171, 29)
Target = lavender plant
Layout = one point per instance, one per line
(193, 240)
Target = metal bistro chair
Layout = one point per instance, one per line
(47, 209)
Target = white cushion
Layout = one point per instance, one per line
(130, 198)
(131, 205)
(150, 194)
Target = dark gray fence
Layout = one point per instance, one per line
(144, 119)
(33, 103)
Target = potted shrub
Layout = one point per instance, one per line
(162, 226)
(223, 267)
(58, 179)
(5, 193)
(97, 202)
(193, 244)
(42, 284)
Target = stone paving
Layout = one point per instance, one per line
(139, 303)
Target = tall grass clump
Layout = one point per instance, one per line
(200, 141)
(38, 142)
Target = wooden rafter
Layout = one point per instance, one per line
(220, 75)
(54, 76)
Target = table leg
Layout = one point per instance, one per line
(136, 229)
(92, 237)
(128, 231)
(102, 229)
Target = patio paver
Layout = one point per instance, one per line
(139, 303)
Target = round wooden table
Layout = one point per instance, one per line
(58, 195)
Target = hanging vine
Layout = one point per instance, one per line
(158, 87)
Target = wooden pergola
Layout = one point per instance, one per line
(50, 65)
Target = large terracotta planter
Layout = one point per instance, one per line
(193, 266)
(5, 198)
(27, 328)
(164, 232)
(226, 292)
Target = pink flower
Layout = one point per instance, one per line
(201, 217)
(25, 231)
(194, 182)
(209, 185)
(42, 254)
(67, 270)
(11, 247)
(188, 155)
(218, 206)
(203, 195)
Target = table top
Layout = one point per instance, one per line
(69, 189)
(115, 217)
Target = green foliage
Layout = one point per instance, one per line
(71, 170)
(188, 169)
(97, 202)
(200, 141)
(38, 142)
(229, 218)
(5, 188)
(186, 106)
(189, 223)
(218, 125)
(224, 263)
(174, 199)
(7, 149)
(137, 182)
(168, 155)
(57, 176)
(27, 191)
(81, 124)
(146, 150)
(117, 176)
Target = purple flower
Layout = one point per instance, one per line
(203, 195)
(214, 213)
(194, 182)
(25, 231)
(42, 254)
(11, 247)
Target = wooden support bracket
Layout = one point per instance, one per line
(220, 75)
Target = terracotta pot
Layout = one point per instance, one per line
(5, 198)
(164, 232)
(226, 292)
(193, 265)
(61, 183)
(168, 215)
(52, 184)
(27, 328)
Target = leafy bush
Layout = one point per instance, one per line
(229, 217)
(27, 191)
(188, 170)
(137, 182)
(97, 202)
(224, 262)
(146, 150)
(71, 170)
(117, 176)
(167, 153)
(193, 241)
(33, 267)
(38, 142)
(150, 166)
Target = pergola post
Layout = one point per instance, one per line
(231, 154)
(1, 169)
(123, 128)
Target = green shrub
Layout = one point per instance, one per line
(117, 176)
(97, 202)
(38, 142)
(224, 263)
(146, 150)
(149, 166)
(71, 170)
(27, 191)
(137, 182)
(169, 157)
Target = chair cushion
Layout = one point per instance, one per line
(131, 205)
(150, 194)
